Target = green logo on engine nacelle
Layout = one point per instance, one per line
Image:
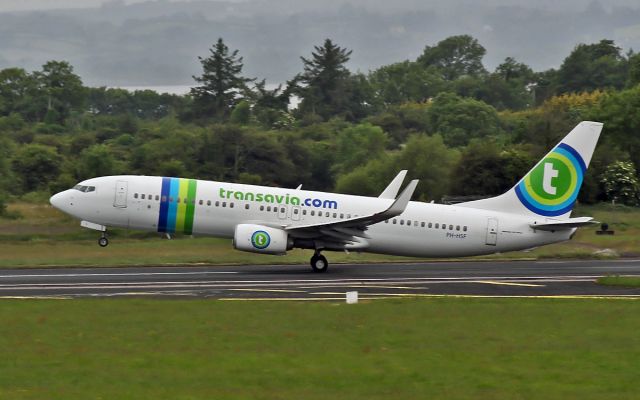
(260, 240)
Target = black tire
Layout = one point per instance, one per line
(319, 264)
(103, 242)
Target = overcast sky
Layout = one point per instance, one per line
(157, 42)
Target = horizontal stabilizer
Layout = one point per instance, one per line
(563, 224)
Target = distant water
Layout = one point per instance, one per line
(171, 89)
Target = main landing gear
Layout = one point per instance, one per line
(103, 241)
(319, 262)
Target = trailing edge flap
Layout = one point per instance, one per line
(557, 225)
(359, 224)
(392, 190)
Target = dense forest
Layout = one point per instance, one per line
(459, 128)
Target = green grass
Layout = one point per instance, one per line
(404, 349)
(616, 280)
(44, 236)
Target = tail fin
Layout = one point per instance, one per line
(551, 188)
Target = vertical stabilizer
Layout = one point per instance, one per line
(551, 188)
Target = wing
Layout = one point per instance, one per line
(351, 233)
(392, 190)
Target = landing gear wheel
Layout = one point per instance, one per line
(103, 241)
(319, 263)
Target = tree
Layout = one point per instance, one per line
(63, 91)
(325, 89)
(621, 183)
(358, 144)
(634, 70)
(592, 66)
(619, 113)
(485, 169)
(16, 89)
(460, 119)
(36, 166)
(405, 82)
(426, 157)
(454, 57)
(222, 84)
(95, 161)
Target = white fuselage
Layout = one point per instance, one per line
(216, 208)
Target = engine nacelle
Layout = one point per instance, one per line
(261, 239)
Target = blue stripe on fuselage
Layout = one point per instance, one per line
(173, 205)
(164, 205)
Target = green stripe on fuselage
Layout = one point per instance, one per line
(191, 207)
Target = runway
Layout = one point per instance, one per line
(285, 282)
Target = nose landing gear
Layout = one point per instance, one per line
(319, 262)
(103, 241)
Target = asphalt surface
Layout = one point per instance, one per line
(371, 281)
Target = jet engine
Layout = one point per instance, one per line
(261, 239)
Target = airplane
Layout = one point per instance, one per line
(267, 220)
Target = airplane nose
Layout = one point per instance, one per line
(56, 200)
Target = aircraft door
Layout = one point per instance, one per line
(282, 212)
(121, 194)
(492, 232)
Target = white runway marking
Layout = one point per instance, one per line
(507, 283)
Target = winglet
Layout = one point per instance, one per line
(402, 201)
(392, 190)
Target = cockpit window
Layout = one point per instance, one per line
(85, 189)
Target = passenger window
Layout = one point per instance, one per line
(386, 221)
(304, 212)
(135, 196)
(313, 213)
(395, 221)
(178, 201)
(201, 202)
(464, 228)
(170, 199)
(217, 204)
(231, 205)
(422, 225)
(268, 208)
(444, 226)
(348, 216)
(246, 206)
(437, 225)
(450, 227)
(209, 203)
(282, 210)
(164, 199)
(415, 223)
(341, 216)
(335, 215)
(401, 222)
(430, 225)
(327, 214)
(224, 204)
(295, 211)
(457, 227)
(261, 208)
(157, 197)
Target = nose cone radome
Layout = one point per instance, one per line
(56, 200)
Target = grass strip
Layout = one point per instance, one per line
(617, 280)
(204, 349)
